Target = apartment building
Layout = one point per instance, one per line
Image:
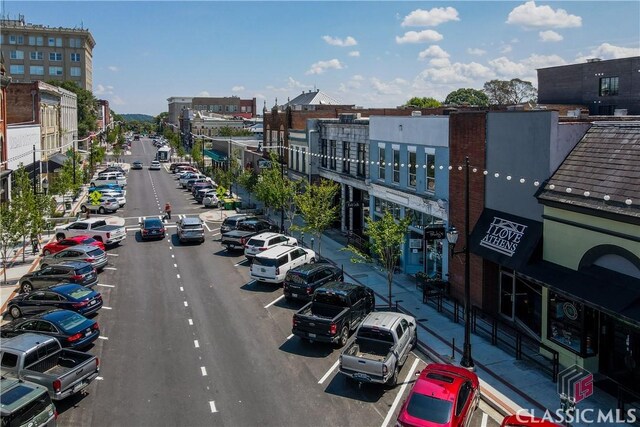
(38, 52)
(4, 169)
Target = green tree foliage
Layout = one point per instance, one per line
(97, 154)
(423, 102)
(180, 152)
(9, 233)
(23, 204)
(467, 97)
(510, 92)
(159, 121)
(386, 237)
(229, 131)
(273, 189)
(248, 179)
(196, 152)
(317, 207)
(87, 107)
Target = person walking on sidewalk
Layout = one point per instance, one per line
(167, 210)
(35, 244)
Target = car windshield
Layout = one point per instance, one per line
(256, 242)
(153, 223)
(96, 252)
(84, 270)
(191, 226)
(429, 408)
(265, 262)
(79, 293)
(72, 321)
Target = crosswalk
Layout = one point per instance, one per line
(132, 223)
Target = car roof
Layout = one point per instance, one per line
(65, 288)
(311, 268)
(277, 251)
(26, 393)
(336, 287)
(54, 315)
(25, 342)
(383, 319)
(74, 264)
(440, 381)
(264, 236)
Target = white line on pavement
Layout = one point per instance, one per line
(215, 234)
(289, 337)
(170, 247)
(178, 276)
(206, 226)
(172, 255)
(274, 301)
(110, 268)
(331, 369)
(484, 419)
(99, 378)
(212, 405)
(237, 264)
(400, 393)
(106, 286)
(204, 371)
(107, 308)
(112, 254)
(139, 219)
(186, 304)
(191, 322)
(181, 289)
(175, 265)
(103, 338)
(196, 344)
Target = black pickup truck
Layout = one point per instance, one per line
(336, 310)
(237, 238)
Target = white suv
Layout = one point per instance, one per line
(264, 241)
(272, 265)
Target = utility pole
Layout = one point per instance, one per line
(34, 169)
(282, 176)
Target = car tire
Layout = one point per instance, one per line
(344, 336)
(415, 340)
(46, 252)
(393, 381)
(44, 265)
(15, 312)
(26, 287)
(83, 208)
(312, 261)
(101, 210)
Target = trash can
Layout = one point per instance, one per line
(228, 204)
(67, 206)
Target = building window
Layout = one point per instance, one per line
(346, 154)
(75, 42)
(16, 39)
(16, 54)
(304, 159)
(572, 325)
(396, 165)
(323, 152)
(36, 56)
(361, 160)
(75, 57)
(332, 154)
(16, 69)
(76, 72)
(382, 161)
(431, 169)
(36, 70)
(36, 41)
(55, 71)
(55, 42)
(53, 56)
(608, 86)
(297, 167)
(412, 169)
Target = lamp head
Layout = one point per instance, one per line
(452, 236)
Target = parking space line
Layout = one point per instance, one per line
(206, 226)
(196, 344)
(190, 322)
(99, 378)
(212, 405)
(107, 308)
(139, 219)
(103, 338)
(289, 337)
(106, 286)
(325, 376)
(215, 234)
(392, 410)
(109, 268)
(237, 264)
(181, 289)
(112, 254)
(178, 276)
(203, 370)
(484, 419)
(274, 301)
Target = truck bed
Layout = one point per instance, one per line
(60, 363)
(369, 349)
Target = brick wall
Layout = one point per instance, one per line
(20, 103)
(467, 132)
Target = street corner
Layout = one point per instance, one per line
(215, 215)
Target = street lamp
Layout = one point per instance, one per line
(452, 238)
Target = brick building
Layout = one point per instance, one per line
(5, 172)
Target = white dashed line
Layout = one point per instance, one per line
(392, 410)
(274, 301)
(170, 247)
(196, 344)
(107, 308)
(99, 378)
(172, 255)
(110, 268)
(175, 265)
(112, 254)
(335, 365)
(203, 370)
(289, 337)
(106, 286)
(237, 264)
(178, 276)
(212, 405)
(186, 304)
(181, 289)
(103, 338)
(190, 322)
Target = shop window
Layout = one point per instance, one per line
(572, 325)
(323, 152)
(361, 160)
(382, 167)
(303, 166)
(431, 169)
(396, 166)
(346, 154)
(608, 86)
(412, 169)
(332, 154)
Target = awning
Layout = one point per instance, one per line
(56, 161)
(505, 239)
(614, 293)
(216, 156)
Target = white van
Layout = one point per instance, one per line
(272, 265)
(110, 178)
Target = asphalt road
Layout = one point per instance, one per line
(189, 340)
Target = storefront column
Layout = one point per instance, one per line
(343, 207)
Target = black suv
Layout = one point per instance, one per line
(256, 225)
(231, 223)
(302, 281)
(79, 272)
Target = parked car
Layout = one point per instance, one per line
(136, 165)
(155, 165)
(191, 182)
(94, 227)
(110, 178)
(72, 329)
(105, 187)
(190, 229)
(87, 253)
(301, 282)
(238, 238)
(231, 222)
(175, 165)
(203, 191)
(264, 241)
(204, 185)
(68, 296)
(106, 204)
(152, 228)
(526, 420)
(211, 200)
(113, 168)
(186, 177)
(25, 404)
(183, 169)
(79, 272)
(271, 266)
(83, 239)
(382, 345)
(116, 194)
(443, 395)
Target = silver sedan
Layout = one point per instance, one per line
(87, 253)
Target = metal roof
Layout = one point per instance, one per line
(312, 98)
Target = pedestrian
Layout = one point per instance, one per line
(35, 245)
(167, 210)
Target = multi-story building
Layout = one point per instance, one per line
(607, 87)
(228, 106)
(37, 52)
(5, 171)
(176, 105)
(68, 119)
(104, 114)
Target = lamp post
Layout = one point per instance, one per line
(452, 238)
(282, 176)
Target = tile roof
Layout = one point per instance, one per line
(313, 98)
(606, 162)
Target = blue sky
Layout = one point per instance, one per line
(372, 54)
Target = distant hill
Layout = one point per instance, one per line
(138, 118)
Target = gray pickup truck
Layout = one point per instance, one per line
(382, 344)
(41, 360)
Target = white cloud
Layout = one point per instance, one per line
(293, 83)
(506, 48)
(355, 82)
(237, 89)
(433, 51)
(529, 15)
(440, 62)
(113, 68)
(394, 87)
(609, 51)
(550, 36)
(456, 73)
(503, 66)
(354, 53)
(322, 66)
(204, 93)
(116, 100)
(419, 37)
(476, 51)
(526, 68)
(430, 18)
(103, 90)
(336, 41)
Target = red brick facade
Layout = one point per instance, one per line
(25, 107)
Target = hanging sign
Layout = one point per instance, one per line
(434, 233)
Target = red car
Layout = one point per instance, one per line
(443, 395)
(57, 246)
(526, 420)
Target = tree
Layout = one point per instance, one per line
(423, 102)
(248, 180)
(273, 189)
(180, 151)
(386, 240)
(510, 92)
(196, 152)
(229, 131)
(318, 208)
(467, 97)
(159, 121)
(23, 205)
(9, 234)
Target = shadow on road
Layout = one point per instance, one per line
(290, 305)
(304, 348)
(343, 387)
(72, 401)
(255, 286)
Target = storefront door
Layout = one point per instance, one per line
(620, 352)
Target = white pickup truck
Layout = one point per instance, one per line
(93, 227)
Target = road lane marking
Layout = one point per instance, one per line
(237, 264)
(106, 286)
(103, 338)
(181, 289)
(392, 410)
(109, 268)
(99, 378)
(186, 304)
(113, 254)
(178, 276)
(107, 308)
(196, 344)
(274, 301)
(289, 337)
(215, 234)
(172, 255)
(484, 419)
(175, 265)
(170, 247)
(251, 282)
(139, 219)
(203, 370)
(335, 365)
(207, 227)
(190, 322)
(212, 405)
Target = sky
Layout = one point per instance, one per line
(367, 53)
